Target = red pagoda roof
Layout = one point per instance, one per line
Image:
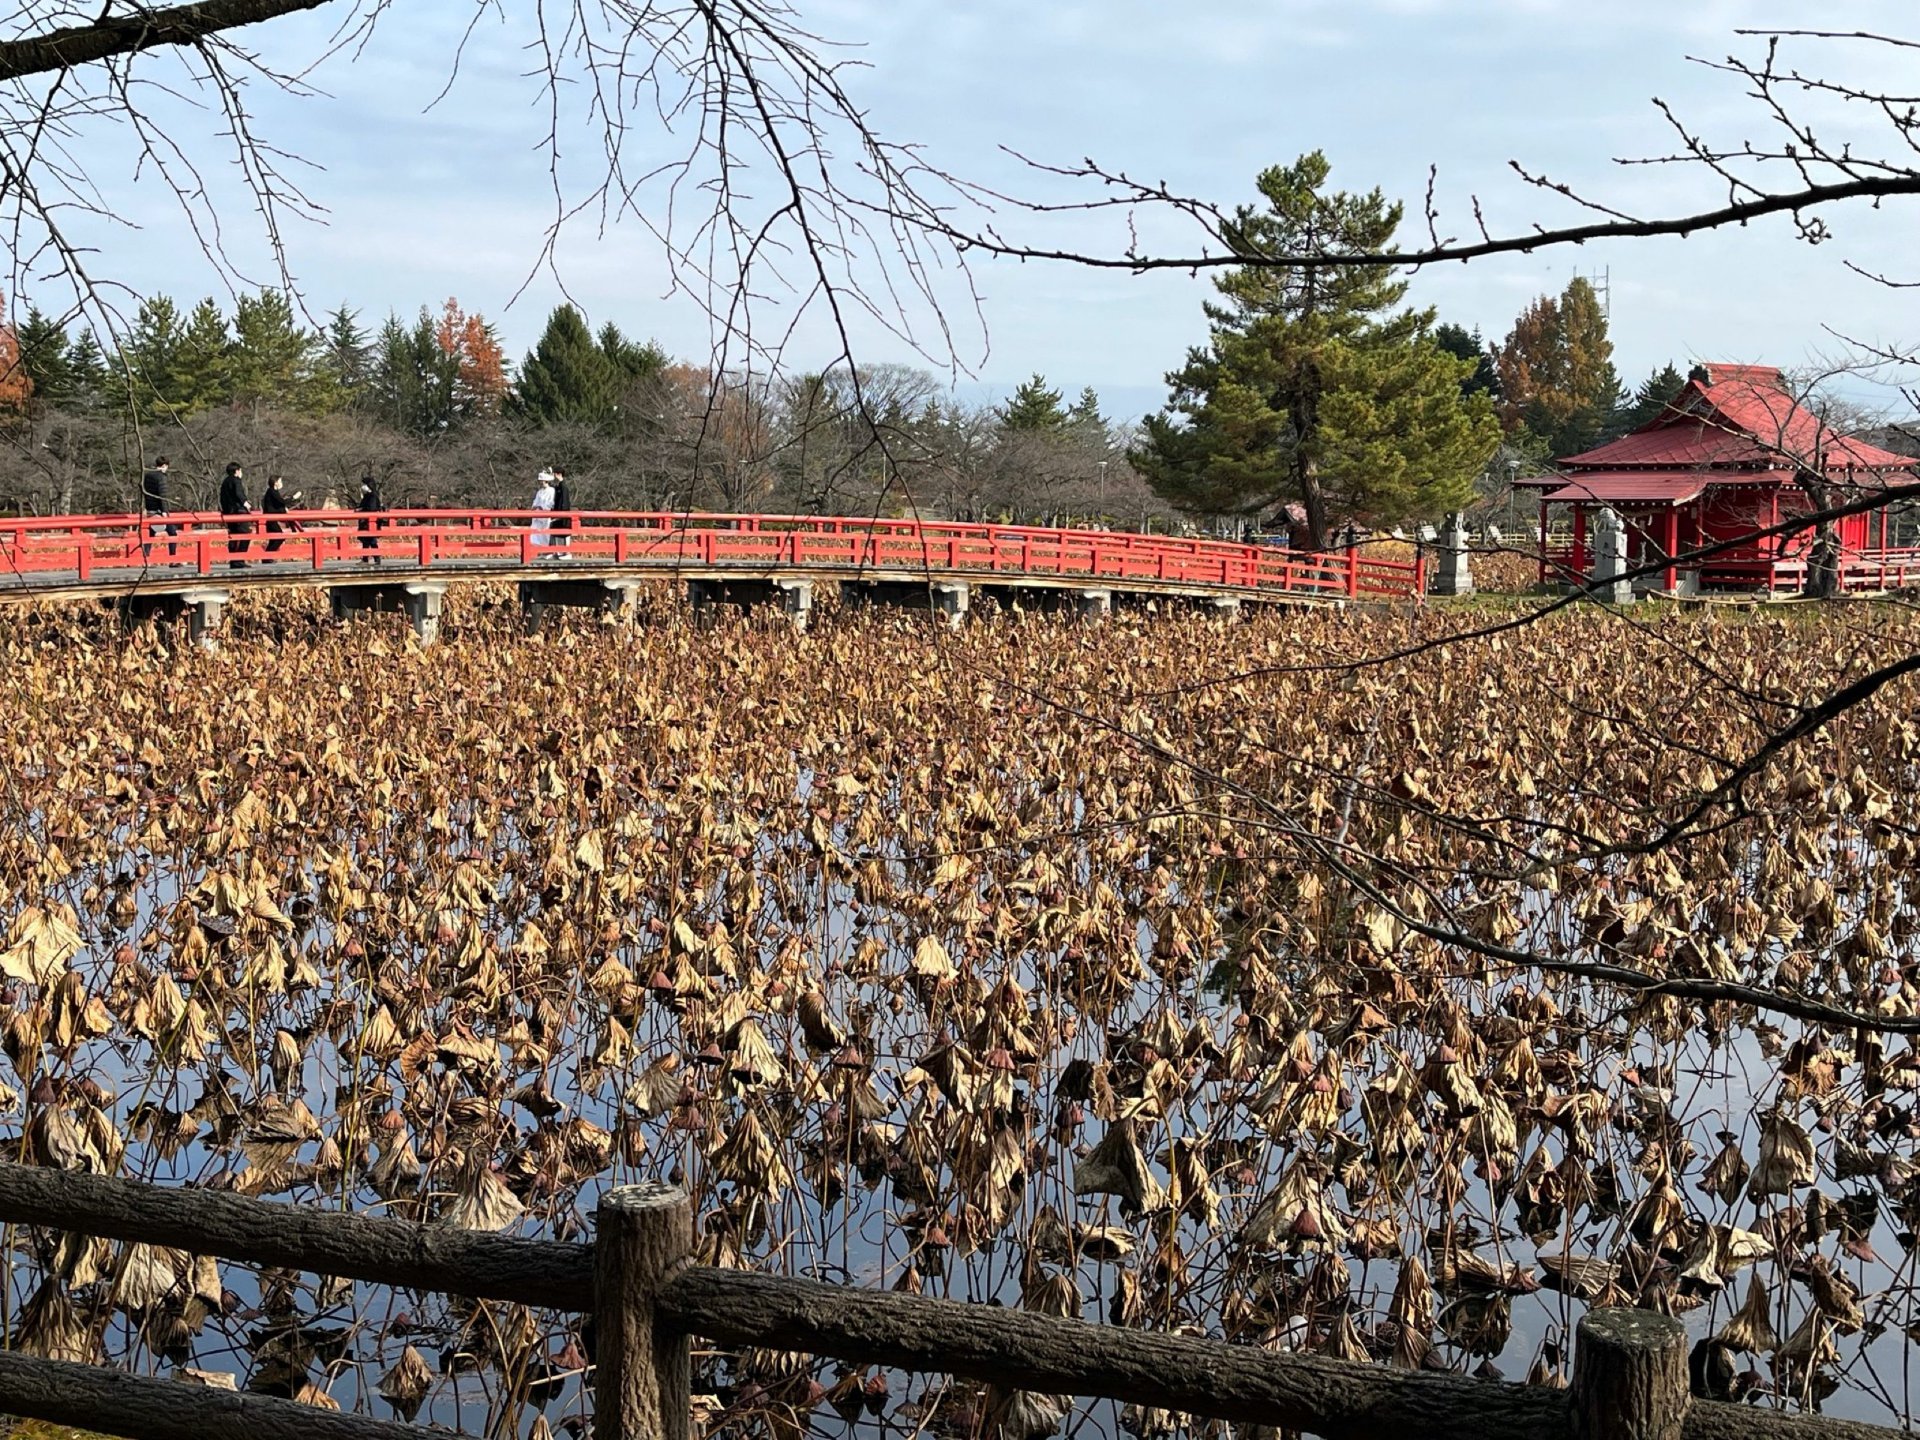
(1736, 417)
(1659, 487)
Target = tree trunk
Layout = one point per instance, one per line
(1823, 555)
(1303, 410)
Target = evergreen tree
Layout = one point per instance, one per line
(1034, 406)
(1085, 416)
(151, 354)
(202, 373)
(46, 358)
(1556, 371)
(274, 358)
(87, 368)
(1463, 344)
(1315, 387)
(346, 356)
(633, 361)
(567, 377)
(414, 382)
(1650, 401)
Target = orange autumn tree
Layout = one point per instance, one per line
(480, 380)
(16, 386)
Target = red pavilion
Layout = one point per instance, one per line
(1722, 462)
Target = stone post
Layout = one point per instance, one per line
(1453, 572)
(1610, 558)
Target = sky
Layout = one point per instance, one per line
(428, 195)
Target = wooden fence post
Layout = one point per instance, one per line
(1629, 1376)
(642, 1373)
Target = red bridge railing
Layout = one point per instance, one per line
(122, 548)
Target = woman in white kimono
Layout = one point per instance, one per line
(543, 500)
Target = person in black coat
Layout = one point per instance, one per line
(273, 501)
(562, 503)
(153, 503)
(234, 502)
(369, 504)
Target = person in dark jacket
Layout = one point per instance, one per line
(234, 502)
(369, 504)
(562, 505)
(153, 504)
(273, 501)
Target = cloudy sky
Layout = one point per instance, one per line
(425, 199)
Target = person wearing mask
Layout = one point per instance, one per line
(153, 504)
(234, 503)
(274, 502)
(543, 498)
(369, 503)
(562, 505)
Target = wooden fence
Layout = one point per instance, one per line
(646, 1298)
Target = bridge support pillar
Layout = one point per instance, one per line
(1226, 607)
(1093, 604)
(424, 604)
(949, 599)
(609, 597)
(420, 601)
(793, 596)
(617, 599)
(796, 598)
(203, 610)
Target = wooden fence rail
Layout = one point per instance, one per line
(1629, 1380)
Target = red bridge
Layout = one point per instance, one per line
(404, 559)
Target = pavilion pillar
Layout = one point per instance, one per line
(1670, 577)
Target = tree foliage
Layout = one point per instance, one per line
(1556, 371)
(1316, 387)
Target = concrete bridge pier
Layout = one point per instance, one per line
(1095, 603)
(794, 597)
(422, 602)
(1223, 607)
(203, 610)
(949, 599)
(608, 597)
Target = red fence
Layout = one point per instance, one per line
(125, 548)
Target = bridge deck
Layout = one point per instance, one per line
(74, 557)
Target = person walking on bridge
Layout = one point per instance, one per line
(153, 504)
(369, 504)
(234, 503)
(562, 506)
(543, 498)
(273, 501)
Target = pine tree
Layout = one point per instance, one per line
(45, 356)
(274, 359)
(1655, 394)
(1085, 417)
(1315, 387)
(202, 373)
(567, 377)
(87, 366)
(1463, 344)
(1034, 406)
(346, 356)
(414, 380)
(151, 354)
